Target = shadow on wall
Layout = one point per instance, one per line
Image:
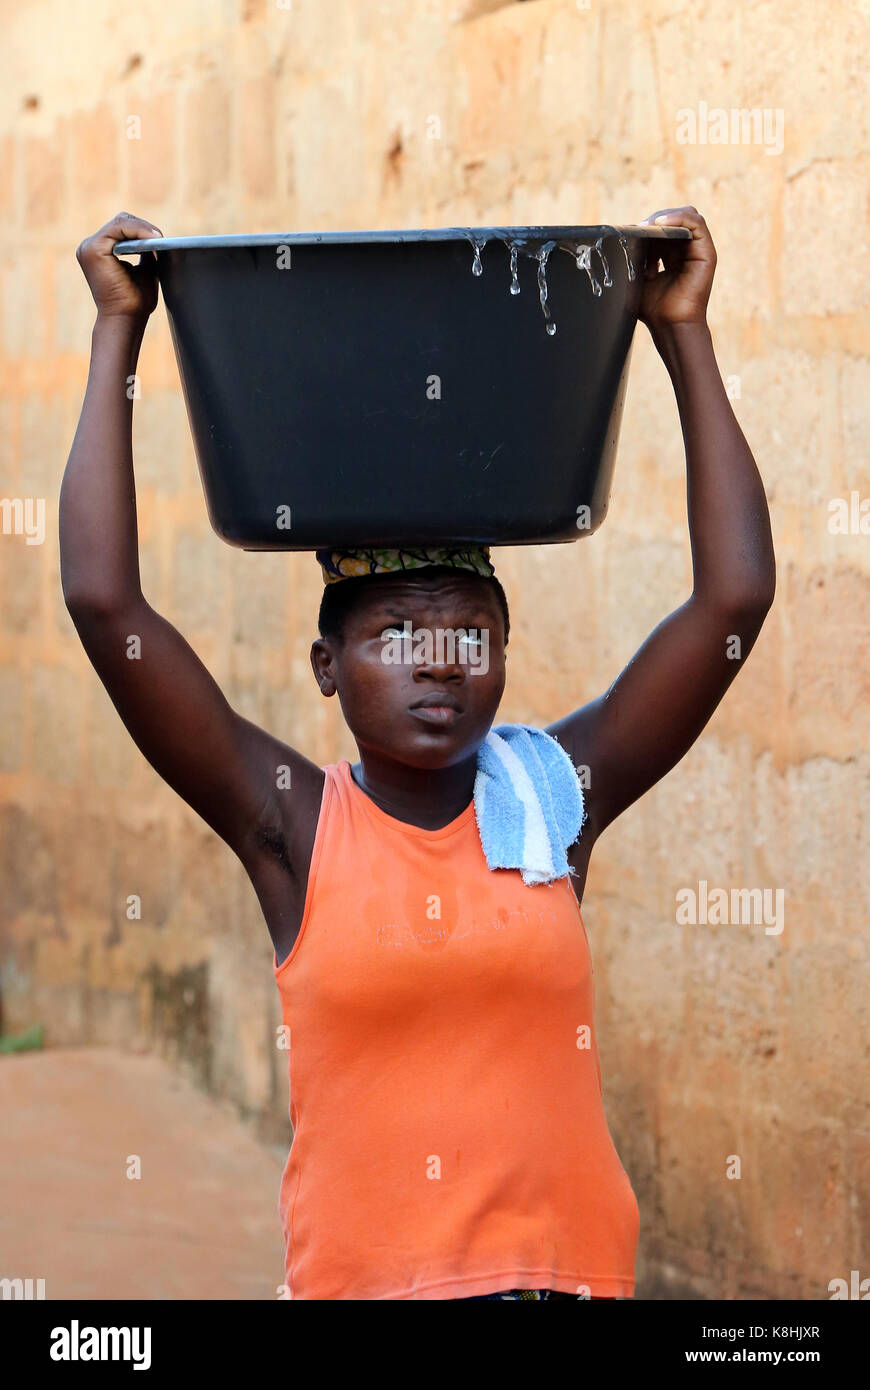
(180, 1019)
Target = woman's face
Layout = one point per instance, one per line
(410, 640)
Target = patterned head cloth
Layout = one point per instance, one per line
(350, 564)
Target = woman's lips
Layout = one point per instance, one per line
(437, 714)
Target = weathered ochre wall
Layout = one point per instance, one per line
(715, 1040)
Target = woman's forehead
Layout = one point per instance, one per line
(466, 595)
(436, 588)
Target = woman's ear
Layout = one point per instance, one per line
(323, 665)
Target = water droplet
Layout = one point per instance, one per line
(476, 266)
(623, 241)
(515, 284)
(607, 280)
(543, 254)
(583, 256)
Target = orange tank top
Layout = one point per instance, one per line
(449, 1136)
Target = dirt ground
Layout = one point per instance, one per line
(200, 1222)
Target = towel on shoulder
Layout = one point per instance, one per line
(528, 802)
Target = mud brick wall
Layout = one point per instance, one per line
(716, 1040)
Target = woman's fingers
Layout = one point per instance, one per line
(682, 217)
(117, 286)
(674, 254)
(123, 227)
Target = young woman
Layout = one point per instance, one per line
(449, 1133)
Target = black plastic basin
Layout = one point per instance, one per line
(371, 388)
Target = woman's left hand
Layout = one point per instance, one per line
(679, 293)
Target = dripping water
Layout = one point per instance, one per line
(582, 253)
(623, 241)
(601, 256)
(583, 258)
(543, 254)
(476, 264)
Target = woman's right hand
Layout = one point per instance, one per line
(120, 290)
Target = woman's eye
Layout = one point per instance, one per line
(390, 633)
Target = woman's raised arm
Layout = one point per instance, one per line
(223, 766)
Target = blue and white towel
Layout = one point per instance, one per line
(528, 802)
